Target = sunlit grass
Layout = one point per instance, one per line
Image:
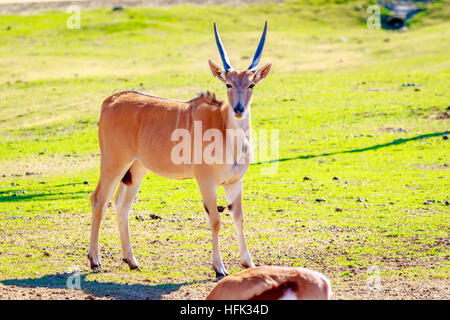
(336, 95)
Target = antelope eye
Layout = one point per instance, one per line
(228, 86)
(251, 86)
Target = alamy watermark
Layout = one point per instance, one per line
(374, 280)
(374, 20)
(74, 280)
(74, 20)
(232, 147)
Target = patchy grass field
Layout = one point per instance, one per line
(338, 97)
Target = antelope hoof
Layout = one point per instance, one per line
(220, 276)
(95, 266)
(132, 265)
(97, 269)
(220, 271)
(247, 264)
(246, 261)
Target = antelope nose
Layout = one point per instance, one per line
(239, 108)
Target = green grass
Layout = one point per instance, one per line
(332, 101)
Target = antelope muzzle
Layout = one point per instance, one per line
(239, 111)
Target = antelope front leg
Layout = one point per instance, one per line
(208, 191)
(233, 193)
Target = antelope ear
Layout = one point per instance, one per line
(262, 73)
(217, 71)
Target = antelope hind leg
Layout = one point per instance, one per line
(99, 198)
(125, 195)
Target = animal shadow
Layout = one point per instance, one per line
(99, 289)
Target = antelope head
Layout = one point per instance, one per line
(240, 84)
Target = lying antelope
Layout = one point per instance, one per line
(273, 283)
(136, 135)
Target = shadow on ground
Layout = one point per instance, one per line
(19, 196)
(374, 147)
(98, 289)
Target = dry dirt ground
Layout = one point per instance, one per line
(393, 289)
(31, 6)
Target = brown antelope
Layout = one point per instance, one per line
(136, 134)
(273, 283)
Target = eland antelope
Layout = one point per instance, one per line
(137, 134)
(273, 283)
